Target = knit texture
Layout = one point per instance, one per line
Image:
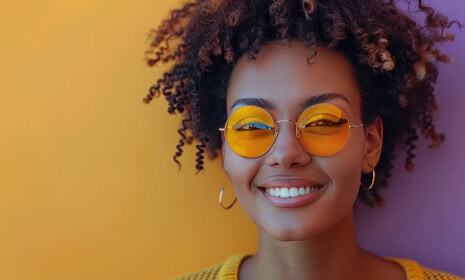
(228, 270)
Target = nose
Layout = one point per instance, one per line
(286, 151)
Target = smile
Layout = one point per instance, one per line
(293, 197)
(292, 192)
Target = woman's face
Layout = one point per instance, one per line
(282, 77)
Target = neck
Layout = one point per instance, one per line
(332, 255)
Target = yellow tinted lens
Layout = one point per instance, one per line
(324, 129)
(250, 131)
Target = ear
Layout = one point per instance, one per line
(222, 146)
(373, 144)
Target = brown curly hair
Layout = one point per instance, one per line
(392, 54)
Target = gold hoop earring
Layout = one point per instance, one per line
(373, 174)
(221, 201)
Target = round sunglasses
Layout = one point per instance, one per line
(322, 130)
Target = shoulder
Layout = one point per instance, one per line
(415, 271)
(435, 274)
(226, 270)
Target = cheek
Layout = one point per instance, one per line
(242, 172)
(346, 176)
(345, 170)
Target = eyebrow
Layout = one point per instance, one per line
(260, 102)
(323, 98)
(267, 104)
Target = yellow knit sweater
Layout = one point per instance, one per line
(228, 270)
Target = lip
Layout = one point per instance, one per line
(290, 182)
(290, 202)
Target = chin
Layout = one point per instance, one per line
(293, 233)
(288, 238)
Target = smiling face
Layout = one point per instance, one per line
(282, 82)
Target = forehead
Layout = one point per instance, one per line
(282, 76)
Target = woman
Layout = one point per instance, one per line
(306, 101)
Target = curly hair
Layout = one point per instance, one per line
(392, 54)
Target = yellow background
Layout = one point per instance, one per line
(88, 189)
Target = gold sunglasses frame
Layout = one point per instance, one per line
(297, 132)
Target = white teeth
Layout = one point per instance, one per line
(284, 192)
(276, 192)
(291, 192)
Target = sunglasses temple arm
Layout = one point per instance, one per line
(355, 126)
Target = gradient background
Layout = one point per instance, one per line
(87, 186)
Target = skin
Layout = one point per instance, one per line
(317, 240)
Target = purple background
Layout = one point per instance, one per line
(424, 216)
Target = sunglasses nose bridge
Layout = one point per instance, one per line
(278, 124)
